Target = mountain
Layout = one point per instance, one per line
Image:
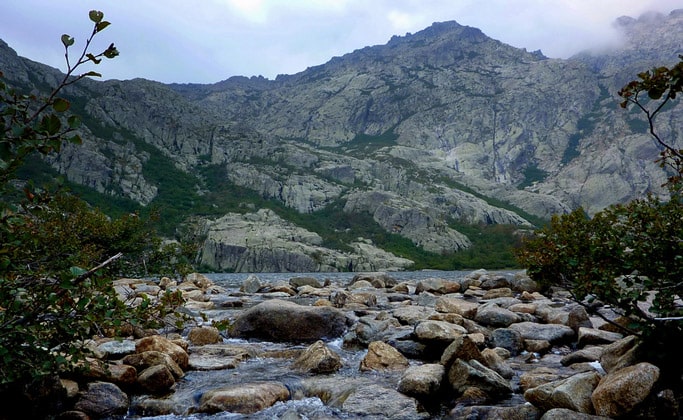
(415, 147)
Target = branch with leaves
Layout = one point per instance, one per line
(26, 128)
(661, 85)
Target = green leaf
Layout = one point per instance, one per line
(101, 25)
(61, 105)
(77, 271)
(93, 58)
(111, 52)
(50, 124)
(67, 40)
(74, 121)
(93, 74)
(96, 16)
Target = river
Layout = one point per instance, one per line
(189, 389)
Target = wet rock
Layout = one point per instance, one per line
(422, 381)
(567, 414)
(318, 358)
(622, 390)
(553, 333)
(459, 306)
(251, 284)
(382, 356)
(411, 315)
(102, 399)
(508, 339)
(437, 286)
(588, 336)
(145, 359)
(220, 356)
(440, 331)
(463, 348)
(156, 379)
(620, 354)
(464, 374)
(281, 320)
(493, 315)
(375, 401)
(200, 336)
(244, 398)
(520, 412)
(163, 345)
(378, 280)
(573, 393)
(297, 282)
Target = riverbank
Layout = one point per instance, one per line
(483, 344)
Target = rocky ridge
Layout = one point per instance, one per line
(442, 125)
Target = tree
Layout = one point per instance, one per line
(629, 256)
(58, 255)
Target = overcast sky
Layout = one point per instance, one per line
(205, 41)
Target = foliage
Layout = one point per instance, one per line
(629, 256)
(58, 256)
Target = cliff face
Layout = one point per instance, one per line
(442, 125)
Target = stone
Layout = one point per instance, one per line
(495, 316)
(251, 284)
(463, 348)
(245, 398)
(459, 306)
(411, 315)
(553, 333)
(318, 358)
(102, 399)
(376, 401)
(382, 356)
(145, 359)
(156, 379)
(281, 320)
(437, 286)
(297, 282)
(199, 336)
(422, 381)
(567, 414)
(438, 331)
(573, 393)
(620, 391)
(464, 374)
(163, 345)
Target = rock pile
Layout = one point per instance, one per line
(486, 346)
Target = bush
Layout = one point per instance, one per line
(629, 256)
(58, 256)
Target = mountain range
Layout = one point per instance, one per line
(390, 157)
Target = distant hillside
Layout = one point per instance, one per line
(434, 150)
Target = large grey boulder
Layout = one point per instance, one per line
(280, 320)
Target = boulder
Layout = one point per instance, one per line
(382, 356)
(102, 399)
(465, 374)
(200, 336)
(422, 381)
(244, 398)
(318, 358)
(621, 391)
(280, 320)
(163, 345)
(573, 393)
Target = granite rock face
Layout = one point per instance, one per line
(442, 125)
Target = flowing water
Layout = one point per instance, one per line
(189, 389)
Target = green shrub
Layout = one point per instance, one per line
(58, 256)
(629, 256)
